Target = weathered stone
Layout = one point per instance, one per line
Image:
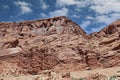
(1, 45)
(109, 40)
(59, 29)
(66, 75)
(38, 24)
(25, 29)
(109, 54)
(58, 23)
(48, 24)
(62, 22)
(10, 44)
(57, 43)
(116, 46)
(10, 51)
(41, 31)
(52, 29)
(33, 25)
(88, 68)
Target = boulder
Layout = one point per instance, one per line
(10, 51)
(10, 44)
(59, 29)
(58, 23)
(109, 40)
(25, 29)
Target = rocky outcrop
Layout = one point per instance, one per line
(109, 37)
(44, 27)
(48, 26)
(10, 51)
(30, 61)
(109, 30)
(58, 44)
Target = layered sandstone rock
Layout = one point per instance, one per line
(44, 27)
(56, 43)
(109, 30)
(108, 41)
(57, 25)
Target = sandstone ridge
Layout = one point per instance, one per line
(56, 44)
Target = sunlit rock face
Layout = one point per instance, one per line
(14, 34)
(57, 25)
(57, 43)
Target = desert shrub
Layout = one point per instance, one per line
(81, 79)
(113, 78)
(89, 45)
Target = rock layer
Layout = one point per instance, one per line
(58, 44)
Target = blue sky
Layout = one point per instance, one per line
(91, 15)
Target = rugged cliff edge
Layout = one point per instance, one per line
(57, 43)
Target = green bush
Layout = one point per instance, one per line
(81, 79)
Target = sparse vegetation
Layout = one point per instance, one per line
(113, 78)
(89, 45)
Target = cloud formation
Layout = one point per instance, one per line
(59, 12)
(105, 6)
(24, 6)
(77, 3)
(97, 29)
(67, 3)
(43, 15)
(85, 24)
(43, 5)
(92, 15)
(105, 11)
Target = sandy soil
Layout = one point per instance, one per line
(107, 72)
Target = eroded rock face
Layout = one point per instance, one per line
(109, 30)
(56, 43)
(28, 29)
(108, 38)
(57, 25)
(108, 41)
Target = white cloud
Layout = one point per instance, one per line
(96, 29)
(77, 3)
(89, 17)
(77, 9)
(85, 24)
(68, 3)
(99, 6)
(75, 16)
(55, 13)
(107, 11)
(5, 6)
(59, 12)
(115, 15)
(104, 19)
(105, 6)
(43, 5)
(43, 15)
(25, 7)
(107, 19)
(103, 11)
